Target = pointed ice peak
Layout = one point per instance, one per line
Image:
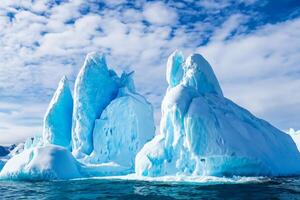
(95, 87)
(199, 74)
(64, 80)
(58, 118)
(63, 85)
(174, 68)
(95, 59)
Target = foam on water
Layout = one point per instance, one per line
(202, 180)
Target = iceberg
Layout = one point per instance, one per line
(108, 129)
(125, 125)
(95, 87)
(58, 118)
(108, 123)
(111, 121)
(204, 133)
(42, 163)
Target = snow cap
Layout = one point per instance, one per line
(199, 74)
(95, 59)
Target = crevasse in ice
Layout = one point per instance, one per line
(204, 133)
(58, 118)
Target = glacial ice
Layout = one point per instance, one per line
(110, 128)
(32, 142)
(120, 120)
(2, 163)
(95, 87)
(125, 125)
(42, 163)
(58, 118)
(111, 123)
(204, 133)
(295, 136)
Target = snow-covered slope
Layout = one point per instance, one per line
(204, 133)
(58, 118)
(42, 163)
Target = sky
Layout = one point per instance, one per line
(252, 45)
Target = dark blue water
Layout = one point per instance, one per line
(281, 188)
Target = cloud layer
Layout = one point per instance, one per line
(253, 50)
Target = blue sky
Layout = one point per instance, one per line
(252, 45)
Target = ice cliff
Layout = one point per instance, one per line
(204, 133)
(95, 87)
(125, 125)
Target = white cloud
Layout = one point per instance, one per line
(19, 122)
(159, 13)
(261, 70)
(37, 50)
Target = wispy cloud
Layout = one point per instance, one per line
(159, 13)
(255, 56)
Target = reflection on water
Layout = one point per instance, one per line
(281, 188)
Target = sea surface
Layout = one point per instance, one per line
(278, 188)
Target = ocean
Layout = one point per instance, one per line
(260, 188)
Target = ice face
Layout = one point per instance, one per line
(199, 75)
(174, 71)
(95, 87)
(42, 163)
(111, 123)
(295, 136)
(124, 127)
(204, 133)
(58, 118)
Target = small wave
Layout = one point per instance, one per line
(203, 180)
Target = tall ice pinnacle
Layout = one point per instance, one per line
(58, 118)
(95, 87)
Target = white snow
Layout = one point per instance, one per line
(41, 163)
